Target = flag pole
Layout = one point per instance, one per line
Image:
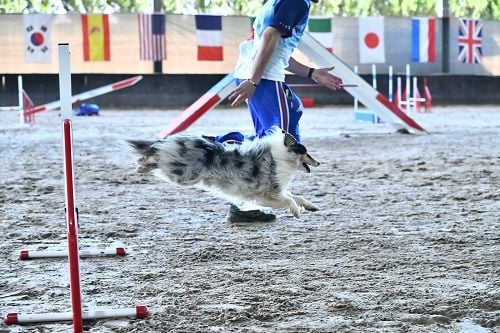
(444, 12)
(158, 64)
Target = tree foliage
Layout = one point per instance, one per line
(484, 9)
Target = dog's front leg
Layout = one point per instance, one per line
(304, 203)
(283, 201)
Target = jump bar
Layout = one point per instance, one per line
(312, 85)
(14, 318)
(26, 254)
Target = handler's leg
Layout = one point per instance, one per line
(275, 104)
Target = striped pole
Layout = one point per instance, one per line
(87, 94)
(140, 311)
(398, 92)
(27, 254)
(416, 97)
(20, 98)
(213, 97)
(374, 76)
(390, 84)
(355, 98)
(76, 314)
(408, 89)
(69, 182)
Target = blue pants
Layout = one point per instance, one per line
(272, 104)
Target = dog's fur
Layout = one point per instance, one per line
(258, 170)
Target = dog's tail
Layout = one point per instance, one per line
(143, 147)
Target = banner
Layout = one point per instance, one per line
(37, 38)
(321, 30)
(152, 40)
(95, 29)
(423, 36)
(371, 40)
(209, 37)
(470, 39)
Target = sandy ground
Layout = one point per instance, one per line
(407, 240)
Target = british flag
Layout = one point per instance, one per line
(470, 39)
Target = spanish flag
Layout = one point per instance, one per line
(95, 29)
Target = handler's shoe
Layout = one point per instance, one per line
(237, 215)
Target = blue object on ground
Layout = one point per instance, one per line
(86, 109)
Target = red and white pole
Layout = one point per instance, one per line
(69, 181)
(111, 251)
(76, 314)
(12, 318)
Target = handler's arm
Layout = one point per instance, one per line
(321, 76)
(267, 46)
(270, 39)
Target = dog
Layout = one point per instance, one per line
(258, 170)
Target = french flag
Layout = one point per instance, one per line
(423, 39)
(209, 37)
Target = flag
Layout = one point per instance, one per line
(209, 37)
(423, 36)
(321, 30)
(95, 29)
(470, 36)
(371, 40)
(153, 45)
(37, 38)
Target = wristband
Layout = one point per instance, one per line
(310, 73)
(254, 84)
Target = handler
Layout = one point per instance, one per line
(260, 74)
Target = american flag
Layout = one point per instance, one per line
(470, 38)
(152, 37)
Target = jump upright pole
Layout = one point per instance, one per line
(71, 216)
(76, 315)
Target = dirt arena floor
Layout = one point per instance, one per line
(407, 238)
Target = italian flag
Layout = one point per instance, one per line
(321, 30)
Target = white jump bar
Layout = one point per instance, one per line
(13, 318)
(27, 254)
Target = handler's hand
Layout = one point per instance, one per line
(324, 78)
(241, 93)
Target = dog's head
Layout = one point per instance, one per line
(300, 150)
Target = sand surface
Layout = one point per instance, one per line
(407, 238)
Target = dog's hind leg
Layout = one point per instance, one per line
(304, 203)
(145, 168)
(146, 164)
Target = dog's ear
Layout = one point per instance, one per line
(293, 145)
(289, 140)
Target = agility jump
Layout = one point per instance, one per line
(76, 314)
(24, 105)
(29, 110)
(360, 89)
(411, 98)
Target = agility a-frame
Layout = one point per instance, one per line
(362, 91)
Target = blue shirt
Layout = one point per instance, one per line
(287, 16)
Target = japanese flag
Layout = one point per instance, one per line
(37, 38)
(371, 40)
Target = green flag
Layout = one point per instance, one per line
(321, 30)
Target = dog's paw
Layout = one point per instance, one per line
(142, 160)
(310, 206)
(295, 210)
(142, 169)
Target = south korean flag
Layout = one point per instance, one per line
(37, 38)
